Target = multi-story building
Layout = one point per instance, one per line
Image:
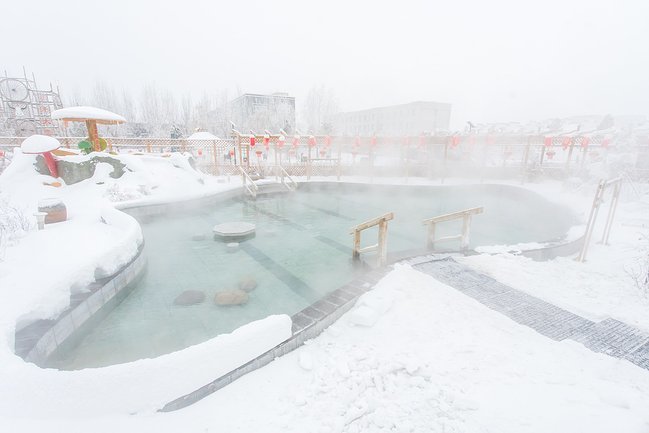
(413, 118)
(259, 112)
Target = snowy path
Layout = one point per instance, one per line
(609, 336)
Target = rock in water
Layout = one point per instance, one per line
(231, 297)
(248, 284)
(190, 297)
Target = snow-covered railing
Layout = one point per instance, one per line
(466, 227)
(250, 186)
(594, 210)
(381, 246)
(285, 178)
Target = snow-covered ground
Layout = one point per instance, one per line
(434, 360)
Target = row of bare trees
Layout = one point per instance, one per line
(157, 111)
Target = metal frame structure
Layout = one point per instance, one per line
(25, 109)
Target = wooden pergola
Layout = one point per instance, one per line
(92, 117)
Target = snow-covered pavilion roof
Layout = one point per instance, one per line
(88, 113)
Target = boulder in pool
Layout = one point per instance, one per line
(190, 297)
(231, 297)
(248, 284)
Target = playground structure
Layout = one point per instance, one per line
(25, 109)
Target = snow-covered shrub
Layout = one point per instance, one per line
(13, 223)
(639, 270)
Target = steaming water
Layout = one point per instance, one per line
(301, 252)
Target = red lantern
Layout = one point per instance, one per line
(252, 141)
(373, 141)
(606, 142)
(585, 141)
(565, 143)
(455, 141)
(200, 152)
(327, 141)
(296, 140)
(2, 153)
(232, 153)
(280, 141)
(547, 141)
(266, 141)
(311, 141)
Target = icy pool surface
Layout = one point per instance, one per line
(301, 252)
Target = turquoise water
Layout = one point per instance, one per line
(301, 251)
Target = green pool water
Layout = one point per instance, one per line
(301, 252)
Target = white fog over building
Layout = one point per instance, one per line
(412, 118)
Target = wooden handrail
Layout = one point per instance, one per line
(372, 222)
(248, 183)
(454, 215)
(381, 246)
(466, 227)
(291, 185)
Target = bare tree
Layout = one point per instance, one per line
(319, 105)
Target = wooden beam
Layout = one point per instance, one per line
(91, 125)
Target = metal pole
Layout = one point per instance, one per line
(591, 221)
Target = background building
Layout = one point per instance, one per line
(260, 112)
(404, 119)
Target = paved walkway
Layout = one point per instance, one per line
(609, 336)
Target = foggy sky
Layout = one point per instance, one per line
(496, 60)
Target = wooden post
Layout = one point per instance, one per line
(215, 157)
(430, 242)
(466, 227)
(276, 162)
(340, 153)
(383, 242)
(611, 211)
(526, 156)
(591, 221)
(308, 167)
(356, 254)
(445, 161)
(91, 125)
(572, 144)
(584, 154)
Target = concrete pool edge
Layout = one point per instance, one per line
(83, 310)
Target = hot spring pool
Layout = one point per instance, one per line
(301, 252)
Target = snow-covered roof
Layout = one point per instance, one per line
(87, 113)
(39, 144)
(202, 135)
